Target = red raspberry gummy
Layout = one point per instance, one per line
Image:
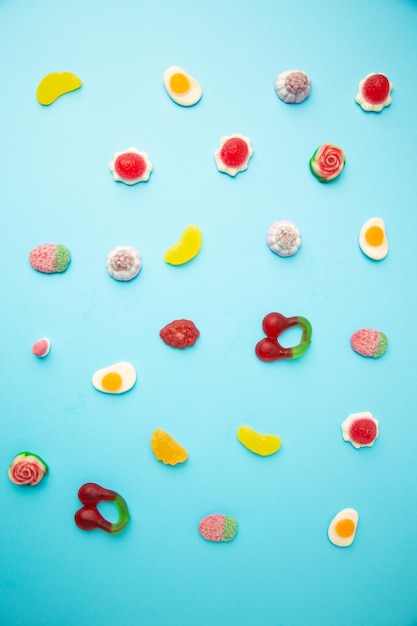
(180, 334)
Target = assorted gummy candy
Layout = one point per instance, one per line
(283, 238)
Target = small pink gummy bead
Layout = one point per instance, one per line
(41, 348)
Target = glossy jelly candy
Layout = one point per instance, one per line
(269, 349)
(180, 334)
(369, 342)
(131, 167)
(360, 429)
(50, 258)
(327, 162)
(166, 449)
(54, 85)
(342, 528)
(27, 469)
(233, 154)
(218, 528)
(181, 87)
(89, 517)
(117, 378)
(373, 239)
(187, 247)
(374, 92)
(264, 445)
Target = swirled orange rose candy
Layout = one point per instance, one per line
(327, 162)
(27, 469)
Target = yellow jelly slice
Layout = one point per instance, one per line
(56, 84)
(263, 445)
(188, 246)
(166, 449)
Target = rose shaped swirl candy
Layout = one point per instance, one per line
(89, 517)
(27, 469)
(327, 162)
(269, 349)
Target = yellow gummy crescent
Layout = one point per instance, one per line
(258, 443)
(56, 84)
(188, 246)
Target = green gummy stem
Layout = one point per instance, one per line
(297, 351)
(230, 528)
(124, 515)
(62, 258)
(382, 345)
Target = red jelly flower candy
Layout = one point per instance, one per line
(180, 334)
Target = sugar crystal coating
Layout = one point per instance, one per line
(166, 449)
(360, 429)
(41, 347)
(180, 334)
(218, 528)
(369, 342)
(50, 258)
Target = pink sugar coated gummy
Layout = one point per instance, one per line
(50, 258)
(41, 347)
(218, 528)
(369, 342)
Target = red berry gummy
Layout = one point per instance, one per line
(130, 165)
(234, 152)
(180, 334)
(376, 88)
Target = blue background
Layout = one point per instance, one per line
(56, 187)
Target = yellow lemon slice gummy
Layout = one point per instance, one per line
(56, 84)
(166, 449)
(258, 443)
(187, 247)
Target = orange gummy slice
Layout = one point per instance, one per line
(166, 449)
